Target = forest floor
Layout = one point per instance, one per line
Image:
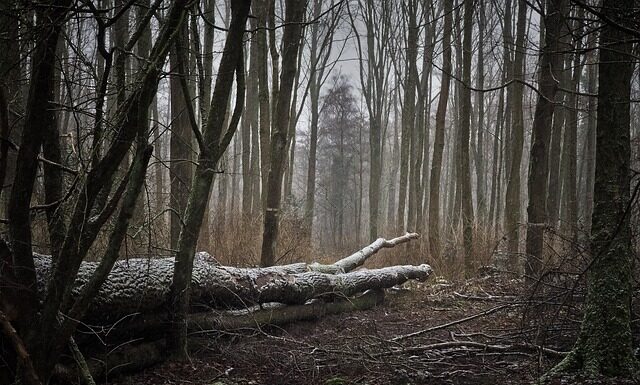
(451, 346)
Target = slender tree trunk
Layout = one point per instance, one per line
(549, 67)
(427, 89)
(410, 155)
(254, 115)
(261, 8)
(556, 149)
(438, 143)
(181, 146)
(479, 158)
(393, 173)
(465, 177)
(290, 42)
(513, 198)
(494, 209)
(569, 224)
(247, 119)
(590, 154)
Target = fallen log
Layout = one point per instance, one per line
(142, 285)
(129, 316)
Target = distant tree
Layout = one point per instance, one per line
(339, 150)
(320, 48)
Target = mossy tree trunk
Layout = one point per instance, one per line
(604, 345)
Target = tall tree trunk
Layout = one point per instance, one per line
(181, 143)
(494, 209)
(290, 43)
(409, 147)
(427, 89)
(393, 173)
(569, 224)
(556, 148)
(513, 198)
(261, 8)
(247, 119)
(438, 142)
(590, 154)
(465, 177)
(479, 158)
(253, 111)
(549, 69)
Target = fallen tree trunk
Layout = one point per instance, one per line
(129, 316)
(142, 285)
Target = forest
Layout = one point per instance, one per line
(319, 192)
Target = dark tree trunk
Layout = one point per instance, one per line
(181, 142)
(411, 162)
(549, 70)
(604, 345)
(261, 8)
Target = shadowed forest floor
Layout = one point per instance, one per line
(496, 347)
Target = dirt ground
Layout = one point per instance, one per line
(475, 332)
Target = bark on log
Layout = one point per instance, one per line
(142, 285)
